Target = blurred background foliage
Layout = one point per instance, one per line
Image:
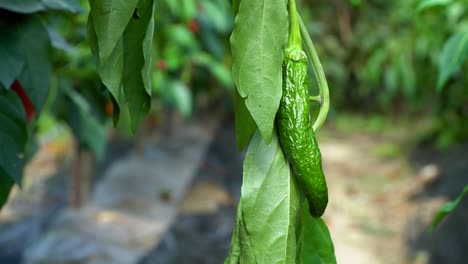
(396, 58)
(389, 58)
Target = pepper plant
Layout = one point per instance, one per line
(274, 224)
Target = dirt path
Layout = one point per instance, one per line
(383, 195)
(378, 203)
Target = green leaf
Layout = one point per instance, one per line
(315, 245)
(219, 70)
(137, 40)
(32, 6)
(257, 42)
(13, 134)
(125, 68)
(35, 46)
(90, 133)
(270, 203)
(447, 209)
(180, 96)
(110, 18)
(235, 249)
(454, 54)
(110, 71)
(235, 6)
(244, 123)
(5, 187)
(425, 4)
(11, 58)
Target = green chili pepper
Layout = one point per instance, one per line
(294, 123)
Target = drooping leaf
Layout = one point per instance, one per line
(137, 39)
(110, 71)
(244, 124)
(257, 43)
(11, 58)
(124, 55)
(110, 18)
(425, 4)
(315, 245)
(32, 6)
(270, 203)
(454, 54)
(447, 209)
(13, 135)
(35, 46)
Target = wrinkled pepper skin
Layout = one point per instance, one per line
(295, 132)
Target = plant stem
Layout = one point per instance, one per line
(295, 41)
(319, 73)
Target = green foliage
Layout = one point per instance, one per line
(424, 4)
(258, 40)
(447, 209)
(314, 243)
(32, 6)
(14, 135)
(393, 56)
(189, 51)
(273, 221)
(454, 54)
(121, 33)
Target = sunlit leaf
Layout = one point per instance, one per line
(447, 209)
(257, 43)
(425, 4)
(454, 54)
(270, 203)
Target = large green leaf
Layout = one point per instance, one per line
(137, 39)
(454, 54)
(13, 135)
(270, 203)
(31, 6)
(110, 17)
(124, 55)
(314, 244)
(110, 71)
(35, 46)
(11, 58)
(257, 42)
(447, 209)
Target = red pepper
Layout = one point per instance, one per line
(27, 104)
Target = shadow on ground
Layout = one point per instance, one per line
(448, 244)
(205, 238)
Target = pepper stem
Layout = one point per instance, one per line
(295, 40)
(319, 74)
